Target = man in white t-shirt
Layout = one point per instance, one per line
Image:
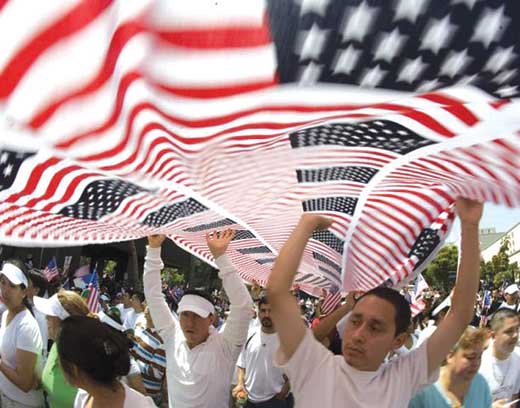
(137, 302)
(266, 385)
(500, 366)
(199, 361)
(510, 297)
(376, 326)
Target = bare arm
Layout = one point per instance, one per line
(326, 325)
(284, 308)
(23, 376)
(136, 382)
(466, 286)
(240, 387)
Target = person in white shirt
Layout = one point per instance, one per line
(500, 365)
(93, 356)
(266, 386)
(199, 361)
(37, 287)
(124, 305)
(376, 326)
(510, 297)
(137, 311)
(21, 346)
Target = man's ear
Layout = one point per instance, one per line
(399, 340)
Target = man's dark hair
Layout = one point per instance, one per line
(263, 301)
(38, 281)
(200, 293)
(139, 295)
(500, 316)
(403, 314)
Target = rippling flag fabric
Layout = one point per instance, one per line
(122, 119)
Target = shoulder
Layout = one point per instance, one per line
(480, 383)
(136, 399)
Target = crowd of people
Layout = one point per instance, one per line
(259, 347)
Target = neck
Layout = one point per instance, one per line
(498, 354)
(104, 396)
(139, 309)
(453, 382)
(13, 311)
(268, 330)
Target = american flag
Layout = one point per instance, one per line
(417, 304)
(120, 119)
(93, 293)
(51, 270)
(332, 299)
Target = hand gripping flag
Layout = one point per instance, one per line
(120, 119)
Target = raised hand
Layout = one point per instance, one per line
(218, 241)
(316, 221)
(469, 211)
(155, 241)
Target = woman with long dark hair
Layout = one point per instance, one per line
(21, 344)
(93, 357)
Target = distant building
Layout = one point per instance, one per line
(491, 241)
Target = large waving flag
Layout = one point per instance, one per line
(120, 119)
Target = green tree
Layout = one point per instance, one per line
(172, 276)
(437, 274)
(498, 270)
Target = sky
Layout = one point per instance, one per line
(500, 217)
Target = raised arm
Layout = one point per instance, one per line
(466, 286)
(241, 304)
(327, 324)
(284, 309)
(161, 315)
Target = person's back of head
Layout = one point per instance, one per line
(73, 303)
(92, 352)
(38, 282)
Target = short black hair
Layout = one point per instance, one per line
(263, 301)
(500, 315)
(95, 348)
(38, 281)
(403, 314)
(198, 292)
(139, 295)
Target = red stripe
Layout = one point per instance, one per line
(120, 38)
(34, 179)
(74, 20)
(454, 106)
(71, 188)
(217, 38)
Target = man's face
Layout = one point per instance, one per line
(506, 337)
(135, 302)
(264, 315)
(126, 300)
(195, 327)
(370, 334)
(511, 298)
(466, 362)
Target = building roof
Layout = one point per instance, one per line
(486, 240)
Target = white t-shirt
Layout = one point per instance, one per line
(133, 399)
(22, 333)
(321, 379)
(263, 379)
(503, 376)
(131, 319)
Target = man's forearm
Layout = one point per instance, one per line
(288, 260)
(466, 285)
(325, 326)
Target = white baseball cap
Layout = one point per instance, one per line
(511, 289)
(196, 304)
(51, 306)
(14, 274)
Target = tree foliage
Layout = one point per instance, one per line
(498, 270)
(172, 276)
(437, 274)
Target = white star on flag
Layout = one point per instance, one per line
(314, 6)
(358, 21)
(372, 77)
(389, 45)
(411, 70)
(491, 26)
(438, 34)
(346, 60)
(455, 63)
(410, 9)
(500, 59)
(312, 42)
